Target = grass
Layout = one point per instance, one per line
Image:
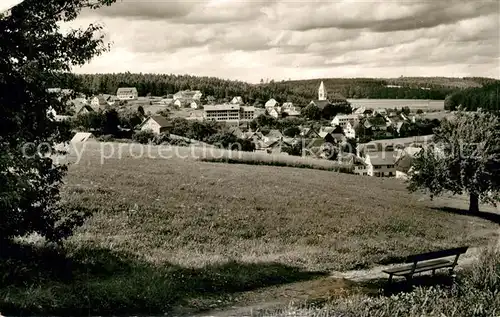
(79, 280)
(195, 213)
(178, 232)
(256, 158)
(476, 292)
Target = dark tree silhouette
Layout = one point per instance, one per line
(35, 55)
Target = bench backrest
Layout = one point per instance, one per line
(436, 254)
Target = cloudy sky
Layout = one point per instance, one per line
(280, 39)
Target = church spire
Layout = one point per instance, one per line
(321, 92)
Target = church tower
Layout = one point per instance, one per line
(321, 92)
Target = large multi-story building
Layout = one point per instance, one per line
(229, 113)
(127, 93)
(247, 113)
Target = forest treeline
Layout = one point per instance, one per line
(300, 92)
(486, 98)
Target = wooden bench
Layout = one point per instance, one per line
(424, 262)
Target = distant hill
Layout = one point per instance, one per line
(300, 92)
(436, 88)
(452, 82)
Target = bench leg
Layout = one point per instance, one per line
(452, 273)
(390, 278)
(433, 272)
(408, 278)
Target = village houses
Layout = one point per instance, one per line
(343, 119)
(290, 110)
(188, 95)
(102, 102)
(237, 101)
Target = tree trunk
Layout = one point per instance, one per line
(474, 203)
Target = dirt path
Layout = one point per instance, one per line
(377, 272)
(337, 283)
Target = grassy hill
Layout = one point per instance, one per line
(170, 234)
(194, 213)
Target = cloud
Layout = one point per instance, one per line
(144, 10)
(281, 39)
(381, 16)
(184, 12)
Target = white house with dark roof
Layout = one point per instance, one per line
(99, 102)
(380, 164)
(157, 124)
(127, 93)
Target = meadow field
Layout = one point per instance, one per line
(195, 213)
(168, 232)
(413, 104)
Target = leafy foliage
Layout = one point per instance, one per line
(143, 137)
(332, 110)
(291, 131)
(311, 112)
(465, 159)
(486, 98)
(33, 56)
(228, 140)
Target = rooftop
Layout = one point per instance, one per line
(376, 121)
(162, 121)
(221, 107)
(381, 158)
(320, 103)
(126, 90)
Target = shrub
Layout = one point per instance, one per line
(163, 138)
(143, 137)
(222, 139)
(179, 142)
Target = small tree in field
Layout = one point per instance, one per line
(34, 54)
(464, 159)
